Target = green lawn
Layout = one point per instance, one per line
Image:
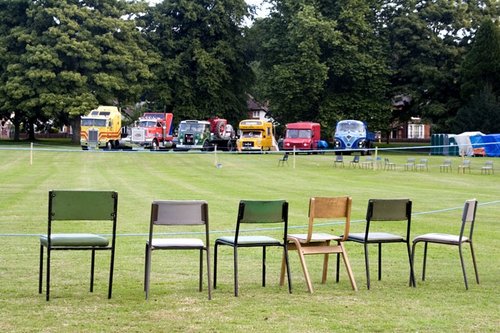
(436, 305)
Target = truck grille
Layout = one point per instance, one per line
(189, 139)
(248, 144)
(138, 135)
(93, 136)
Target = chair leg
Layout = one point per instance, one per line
(47, 279)
(283, 267)
(474, 262)
(305, 270)
(425, 261)
(367, 266)
(92, 266)
(209, 286)
(235, 254)
(337, 272)
(147, 271)
(145, 266)
(200, 283)
(413, 261)
(348, 267)
(379, 261)
(111, 271)
(325, 266)
(263, 266)
(463, 266)
(40, 271)
(287, 263)
(215, 264)
(410, 259)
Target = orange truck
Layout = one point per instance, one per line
(154, 131)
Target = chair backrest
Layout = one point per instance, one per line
(262, 211)
(355, 159)
(447, 162)
(82, 205)
(339, 158)
(179, 212)
(488, 164)
(389, 210)
(423, 161)
(466, 163)
(468, 217)
(330, 208)
(410, 160)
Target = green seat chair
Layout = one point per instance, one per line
(70, 210)
(182, 213)
(257, 213)
(380, 210)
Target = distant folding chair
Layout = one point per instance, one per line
(186, 213)
(487, 168)
(468, 219)
(465, 165)
(339, 159)
(319, 243)
(283, 160)
(255, 213)
(410, 164)
(354, 162)
(367, 163)
(446, 166)
(85, 209)
(423, 164)
(388, 165)
(385, 210)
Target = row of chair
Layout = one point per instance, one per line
(102, 205)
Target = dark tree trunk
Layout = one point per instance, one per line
(75, 125)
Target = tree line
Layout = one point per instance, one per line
(318, 60)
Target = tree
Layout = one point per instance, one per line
(480, 77)
(204, 71)
(73, 55)
(322, 62)
(427, 43)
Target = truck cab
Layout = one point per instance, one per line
(302, 136)
(193, 134)
(257, 135)
(353, 135)
(101, 128)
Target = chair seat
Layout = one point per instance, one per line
(376, 237)
(315, 237)
(75, 240)
(440, 238)
(247, 240)
(177, 243)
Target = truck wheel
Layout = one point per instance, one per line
(109, 145)
(155, 145)
(220, 129)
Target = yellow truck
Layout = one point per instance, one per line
(256, 134)
(101, 128)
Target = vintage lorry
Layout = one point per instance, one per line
(256, 135)
(206, 135)
(353, 136)
(153, 130)
(101, 128)
(303, 136)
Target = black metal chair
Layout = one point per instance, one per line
(178, 213)
(385, 210)
(354, 162)
(468, 219)
(85, 207)
(283, 160)
(256, 212)
(339, 159)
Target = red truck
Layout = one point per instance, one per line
(302, 136)
(154, 131)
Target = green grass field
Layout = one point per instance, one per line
(439, 304)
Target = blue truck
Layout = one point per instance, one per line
(353, 136)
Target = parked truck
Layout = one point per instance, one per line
(302, 136)
(206, 135)
(353, 136)
(153, 131)
(101, 128)
(256, 135)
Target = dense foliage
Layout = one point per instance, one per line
(317, 60)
